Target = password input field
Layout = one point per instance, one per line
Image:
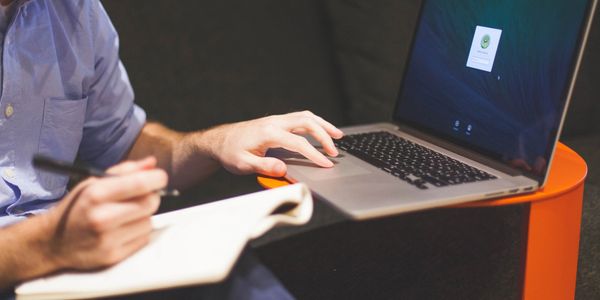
(479, 60)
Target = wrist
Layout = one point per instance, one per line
(210, 142)
(26, 251)
(47, 243)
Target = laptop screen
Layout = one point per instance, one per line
(493, 75)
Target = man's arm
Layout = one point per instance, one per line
(101, 222)
(173, 151)
(239, 147)
(24, 252)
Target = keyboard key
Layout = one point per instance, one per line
(410, 162)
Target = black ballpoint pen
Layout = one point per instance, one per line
(62, 167)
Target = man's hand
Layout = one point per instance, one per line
(101, 222)
(241, 147)
(104, 220)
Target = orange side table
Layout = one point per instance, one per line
(553, 231)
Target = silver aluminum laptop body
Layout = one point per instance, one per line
(364, 191)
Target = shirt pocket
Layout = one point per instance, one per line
(60, 135)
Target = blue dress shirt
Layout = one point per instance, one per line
(64, 94)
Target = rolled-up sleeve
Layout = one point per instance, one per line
(113, 121)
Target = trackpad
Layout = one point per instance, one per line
(297, 163)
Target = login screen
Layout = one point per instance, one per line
(484, 48)
(493, 75)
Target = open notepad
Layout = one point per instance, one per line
(197, 245)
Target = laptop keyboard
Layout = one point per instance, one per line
(413, 163)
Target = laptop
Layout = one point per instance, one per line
(478, 113)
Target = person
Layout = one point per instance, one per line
(66, 94)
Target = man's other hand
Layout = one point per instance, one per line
(104, 220)
(241, 147)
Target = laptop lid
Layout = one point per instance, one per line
(495, 76)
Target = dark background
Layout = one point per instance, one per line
(196, 64)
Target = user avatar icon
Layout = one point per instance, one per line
(485, 41)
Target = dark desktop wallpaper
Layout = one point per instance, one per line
(509, 102)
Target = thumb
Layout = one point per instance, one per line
(269, 166)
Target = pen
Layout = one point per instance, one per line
(75, 170)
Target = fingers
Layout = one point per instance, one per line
(135, 245)
(127, 186)
(119, 245)
(269, 166)
(132, 231)
(299, 125)
(240, 147)
(104, 220)
(299, 144)
(111, 215)
(333, 131)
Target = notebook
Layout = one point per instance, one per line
(192, 246)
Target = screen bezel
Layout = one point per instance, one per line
(554, 133)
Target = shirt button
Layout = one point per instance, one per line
(9, 173)
(9, 110)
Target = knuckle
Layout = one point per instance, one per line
(96, 223)
(308, 113)
(94, 193)
(308, 122)
(269, 129)
(277, 135)
(121, 168)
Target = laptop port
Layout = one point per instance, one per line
(495, 194)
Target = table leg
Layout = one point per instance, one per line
(553, 247)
